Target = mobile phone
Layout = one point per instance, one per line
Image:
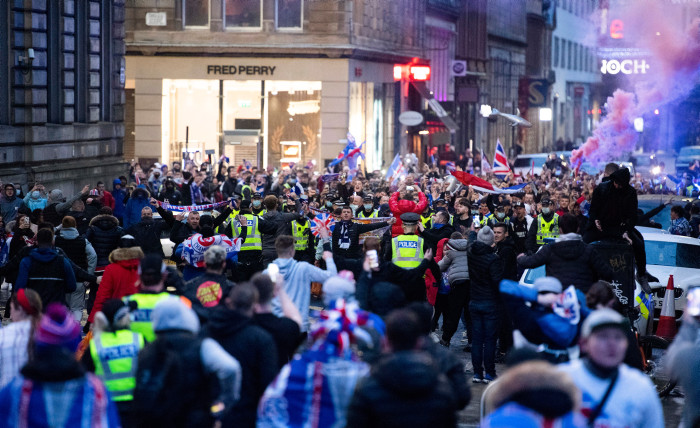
(475, 220)
(373, 259)
(273, 271)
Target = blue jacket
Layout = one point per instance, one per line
(82, 404)
(138, 200)
(44, 255)
(539, 324)
(118, 195)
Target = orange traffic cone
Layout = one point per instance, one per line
(667, 320)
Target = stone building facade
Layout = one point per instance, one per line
(61, 92)
(291, 76)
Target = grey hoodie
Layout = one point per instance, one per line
(72, 233)
(455, 261)
(298, 277)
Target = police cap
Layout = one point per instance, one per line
(368, 198)
(410, 218)
(257, 195)
(546, 201)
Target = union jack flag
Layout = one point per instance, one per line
(450, 166)
(322, 221)
(500, 161)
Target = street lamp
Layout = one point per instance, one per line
(545, 116)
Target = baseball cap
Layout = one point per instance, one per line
(602, 318)
(548, 284)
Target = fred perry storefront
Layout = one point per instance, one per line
(271, 110)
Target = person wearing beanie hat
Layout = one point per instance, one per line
(17, 338)
(113, 355)
(613, 394)
(485, 273)
(55, 376)
(201, 366)
(81, 252)
(57, 205)
(206, 290)
(485, 236)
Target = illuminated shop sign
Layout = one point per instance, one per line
(251, 70)
(627, 66)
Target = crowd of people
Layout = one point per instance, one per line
(112, 328)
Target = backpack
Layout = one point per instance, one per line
(161, 388)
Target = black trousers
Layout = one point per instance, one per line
(441, 307)
(457, 301)
(640, 254)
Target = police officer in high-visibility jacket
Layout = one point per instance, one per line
(544, 227)
(407, 249)
(152, 273)
(257, 206)
(304, 244)
(367, 210)
(113, 356)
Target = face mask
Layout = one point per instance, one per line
(329, 204)
(256, 204)
(475, 212)
(368, 207)
(545, 210)
(500, 215)
(354, 207)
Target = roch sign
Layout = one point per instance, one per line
(627, 66)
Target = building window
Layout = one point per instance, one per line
(107, 63)
(196, 13)
(53, 57)
(243, 14)
(576, 56)
(4, 64)
(82, 24)
(556, 51)
(289, 14)
(569, 49)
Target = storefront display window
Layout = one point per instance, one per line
(243, 14)
(196, 13)
(289, 14)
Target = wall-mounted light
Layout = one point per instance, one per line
(25, 62)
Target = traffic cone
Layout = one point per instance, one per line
(667, 320)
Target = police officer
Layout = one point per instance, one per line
(687, 188)
(545, 226)
(153, 272)
(257, 206)
(500, 216)
(407, 250)
(304, 244)
(367, 210)
(426, 216)
(113, 356)
(250, 255)
(484, 213)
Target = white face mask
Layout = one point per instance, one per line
(545, 210)
(354, 207)
(501, 215)
(257, 204)
(368, 207)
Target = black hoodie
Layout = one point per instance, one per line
(256, 352)
(405, 389)
(571, 261)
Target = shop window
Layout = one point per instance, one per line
(243, 14)
(289, 14)
(196, 13)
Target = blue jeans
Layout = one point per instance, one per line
(485, 316)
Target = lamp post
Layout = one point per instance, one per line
(545, 116)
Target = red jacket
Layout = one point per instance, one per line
(107, 199)
(120, 277)
(431, 286)
(403, 206)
